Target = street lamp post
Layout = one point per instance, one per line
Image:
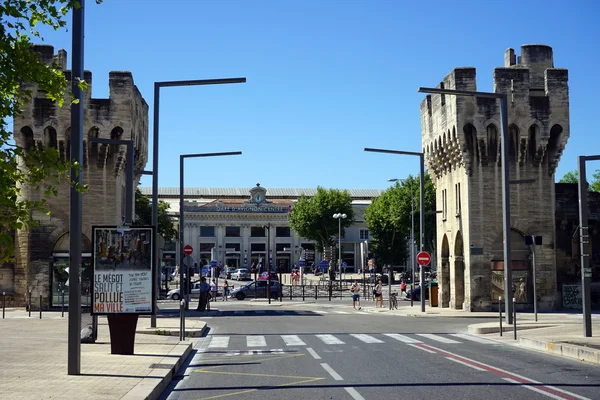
(340, 217)
(421, 204)
(505, 183)
(184, 272)
(155, 145)
(412, 243)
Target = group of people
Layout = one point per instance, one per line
(377, 293)
(295, 276)
(208, 292)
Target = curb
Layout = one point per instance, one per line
(581, 353)
(149, 388)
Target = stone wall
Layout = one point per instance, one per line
(461, 142)
(124, 116)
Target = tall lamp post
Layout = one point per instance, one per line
(155, 145)
(340, 217)
(421, 203)
(184, 268)
(412, 242)
(505, 183)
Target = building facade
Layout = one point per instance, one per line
(461, 143)
(42, 252)
(238, 227)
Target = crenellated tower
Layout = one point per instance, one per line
(124, 115)
(461, 142)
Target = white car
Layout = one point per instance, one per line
(175, 294)
(240, 274)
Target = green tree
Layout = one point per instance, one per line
(312, 217)
(389, 220)
(143, 216)
(573, 177)
(21, 70)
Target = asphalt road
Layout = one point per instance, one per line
(323, 352)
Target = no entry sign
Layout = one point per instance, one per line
(188, 250)
(423, 259)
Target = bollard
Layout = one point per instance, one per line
(500, 311)
(182, 320)
(3, 304)
(40, 306)
(514, 319)
(302, 292)
(330, 290)
(62, 304)
(316, 291)
(29, 303)
(291, 292)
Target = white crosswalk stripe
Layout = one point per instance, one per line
(366, 338)
(437, 338)
(330, 339)
(255, 341)
(293, 340)
(219, 342)
(321, 312)
(340, 312)
(402, 338)
(473, 338)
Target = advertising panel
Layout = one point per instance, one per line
(122, 270)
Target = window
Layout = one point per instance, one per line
(207, 231)
(283, 231)
(457, 197)
(364, 234)
(258, 247)
(206, 247)
(233, 246)
(444, 204)
(257, 231)
(232, 231)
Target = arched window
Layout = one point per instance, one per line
(27, 138)
(513, 142)
(50, 138)
(471, 141)
(534, 135)
(492, 142)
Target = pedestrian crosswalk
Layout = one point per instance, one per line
(316, 340)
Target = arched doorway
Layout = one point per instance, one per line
(458, 273)
(521, 285)
(444, 274)
(59, 275)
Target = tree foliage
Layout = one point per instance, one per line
(312, 217)
(389, 220)
(20, 70)
(143, 216)
(573, 177)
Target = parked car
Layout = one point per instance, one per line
(265, 277)
(256, 289)
(418, 292)
(240, 274)
(226, 273)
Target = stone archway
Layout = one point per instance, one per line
(444, 274)
(458, 273)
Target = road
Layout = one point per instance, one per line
(317, 351)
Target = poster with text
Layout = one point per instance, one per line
(122, 265)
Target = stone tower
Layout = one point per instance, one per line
(41, 251)
(461, 143)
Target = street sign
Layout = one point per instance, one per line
(423, 258)
(188, 250)
(213, 263)
(344, 264)
(302, 263)
(324, 264)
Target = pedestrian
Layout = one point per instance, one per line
(379, 294)
(204, 292)
(355, 290)
(213, 290)
(225, 290)
(403, 287)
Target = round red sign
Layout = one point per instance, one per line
(423, 259)
(187, 250)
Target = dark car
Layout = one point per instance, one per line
(418, 292)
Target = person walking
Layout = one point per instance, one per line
(355, 290)
(225, 291)
(379, 294)
(402, 288)
(204, 293)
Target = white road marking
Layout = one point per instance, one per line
(219, 341)
(366, 338)
(465, 364)
(437, 338)
(421, 348)
(313, 353)
(322, 312)
(552, 396)
(277, 351)
(333, 374)
(292, 340)
(340, 312)
(330, 339)
(355, 395)
(473, 338)
(255, 341)
(402, 338)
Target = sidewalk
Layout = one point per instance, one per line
(34, 359)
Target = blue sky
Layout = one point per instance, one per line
(325, 78)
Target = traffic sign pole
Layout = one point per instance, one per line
(423, 259)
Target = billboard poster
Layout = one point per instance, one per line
(122, 270)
